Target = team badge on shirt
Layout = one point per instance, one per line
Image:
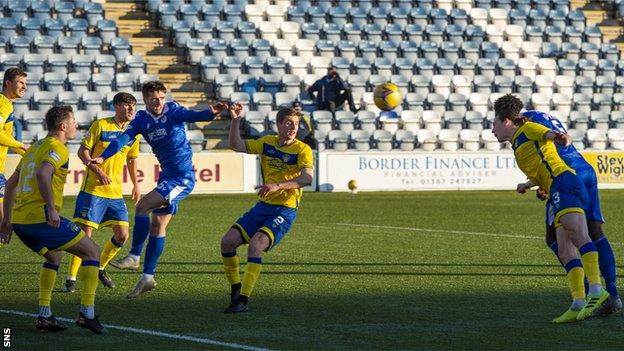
(54, 155)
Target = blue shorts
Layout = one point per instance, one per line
(41, 238)
(2, 185)
(567, 194)
(273, 220)
(174, 190)
(98, 212)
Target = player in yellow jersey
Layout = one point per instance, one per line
(536, 155)
(100, 202)
(33, 199)
(287, 166)
(13, 87)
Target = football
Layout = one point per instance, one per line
(387, 96)
(353, 185)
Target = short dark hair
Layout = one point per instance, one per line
(152, 86)
(286, 112)
(124, 98)
(12, 73)
(509, 107)
(56, 115)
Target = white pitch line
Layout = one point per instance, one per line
(429, 230)
(154, 333)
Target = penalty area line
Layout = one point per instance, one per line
(153, 333)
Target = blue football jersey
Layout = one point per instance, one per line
(166, 135)
(569, 154)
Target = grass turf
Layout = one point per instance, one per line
(411, 270)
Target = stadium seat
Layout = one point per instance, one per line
(338, 140)
(79, 82)
(102, 83)
(579, 120)
(427, 140)
(597, 138)
(382, 140)
(121, 48)
(366, 121)
(404, 140)
(615, 137)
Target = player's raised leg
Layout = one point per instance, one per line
(111, 248)
(74, 264)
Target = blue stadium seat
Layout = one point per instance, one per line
(44, 44)
(8, 27)
(296, 14)
(203, 30)
(367, 50)
(439, 17)
(450, 51)
(276, 66)
(54, 81)
(466, 67)
(316, 15)
(34, 63)
(352, 31)
(181, 31)
(64, 10)
(254, 65)
(77, 27)
(31, 27)
(590, 51)
(325, 48)
(347, 50)
(538, 18)
(291, 84)
(573, 35)
(94, 12)
(430, 50)
(362, 67)
(331, 31)
(54, 27)
(419, 16)
(610, 51)
(41, 10)
(18, 10)
(190, 13)
(106, 64)
(124, 82)
(78, 82)
(435, 33)
(102, 83)
(20, 45)
(59, 63)
(82, 64)
(92, 102)
(10, 60)
(232, 66)
(404, 66)
(68, 45)
(459, 17)
(524, 5)
(475, 34)
(68, 98)
(425, 67)
(311, 31)
(383, 66)
(167, 14)
(373, 32)
(246, 30)
(136, 65)
(338, 15)
(210, 67)
(358, 16)
(91, 45)
(107, 30)
(261, 48)
(399, 16)
(393, 32)
(379, 16)
(225, 30)
(455, 34)
(577, 19)
(518, 17)
(444, 66)
(415, 33)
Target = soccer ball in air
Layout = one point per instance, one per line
(353, 186)
(387, 96)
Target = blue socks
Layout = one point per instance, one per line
(606, 260)
(139, 234)
(155, 248)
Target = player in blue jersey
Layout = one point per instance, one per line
(162, 125)
(586, 173)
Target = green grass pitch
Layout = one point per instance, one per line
(410, 270)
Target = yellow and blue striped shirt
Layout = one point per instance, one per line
(280, 164)
(100, 134)
(29, 204)
(537, 158)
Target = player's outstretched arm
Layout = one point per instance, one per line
(523, 187)
(117, 143)
(235, 140)
(44, 182)
(182, 114)
(304, 179)
(9, 200)
(9, 141)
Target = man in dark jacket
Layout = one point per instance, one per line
(331, 92)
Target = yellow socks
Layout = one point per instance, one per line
(89, 280)
(231, 266)
(589, 255)
(46, 284)
(111, 248)
(252, 272)
(74, 266)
